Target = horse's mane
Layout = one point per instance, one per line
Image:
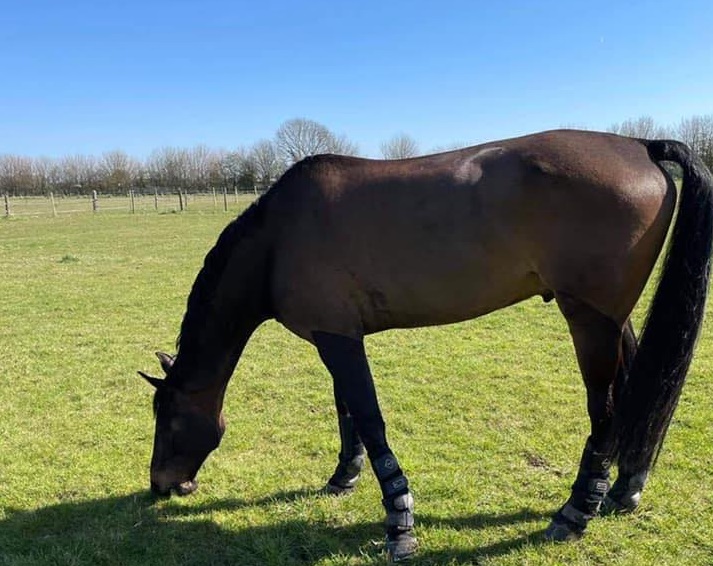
(199, 303)
(200, 300)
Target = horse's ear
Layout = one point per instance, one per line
(155, 381)
(166, 361)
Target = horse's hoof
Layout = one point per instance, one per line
(625, 495)
(561, 531)
(345, 477)
(613, 507)
(337, 490)
(401, 546)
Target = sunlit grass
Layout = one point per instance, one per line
(487, 417)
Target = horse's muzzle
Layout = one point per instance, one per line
(181, 489)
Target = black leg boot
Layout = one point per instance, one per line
(588, 493)
(401, 543)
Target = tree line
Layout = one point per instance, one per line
(256, 167)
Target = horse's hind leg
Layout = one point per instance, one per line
(597, 341)
(624, 495)
(629, 347)
(351, 454)
(345, 359)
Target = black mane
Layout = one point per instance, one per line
(199, 303)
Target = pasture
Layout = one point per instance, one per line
(487, 418)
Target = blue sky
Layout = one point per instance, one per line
(92, 76)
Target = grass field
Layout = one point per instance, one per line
(487, 417)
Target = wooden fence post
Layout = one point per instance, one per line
(215, 199)
(236, 196)
(95, 202)
(225, 199)
(54, 207)
(155, 199)
(7, 206)
(180, 200)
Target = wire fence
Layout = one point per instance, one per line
(133, 202)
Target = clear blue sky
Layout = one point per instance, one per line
(91, 76)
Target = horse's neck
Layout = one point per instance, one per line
(210, 365)
(208, 355)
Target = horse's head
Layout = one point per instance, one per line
(186, 432)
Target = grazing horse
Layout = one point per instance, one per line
(341, 247)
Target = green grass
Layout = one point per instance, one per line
(487, 418)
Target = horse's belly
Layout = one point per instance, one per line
(445, 297)
(324, 295)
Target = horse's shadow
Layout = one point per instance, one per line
(132, 529)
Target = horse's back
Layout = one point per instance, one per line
(364, 245)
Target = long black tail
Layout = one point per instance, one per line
(644, 410)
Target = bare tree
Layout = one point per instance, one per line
(400, 146)
(341, 145)
(299, 138)
(16, 176)
(118, 170)
(198, 162)
(169, 167)
(240, 170)
(46, 174)
(78, 174)
(216, 177)
(267, 163)
(230, 165)
(642, 127)
(697, 132)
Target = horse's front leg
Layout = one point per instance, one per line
(345, 359)
(351, 454)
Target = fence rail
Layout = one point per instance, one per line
(132, 202)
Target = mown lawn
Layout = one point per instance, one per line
(487, 417)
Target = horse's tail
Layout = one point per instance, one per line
(645, 406)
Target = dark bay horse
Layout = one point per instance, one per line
(342, 247)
